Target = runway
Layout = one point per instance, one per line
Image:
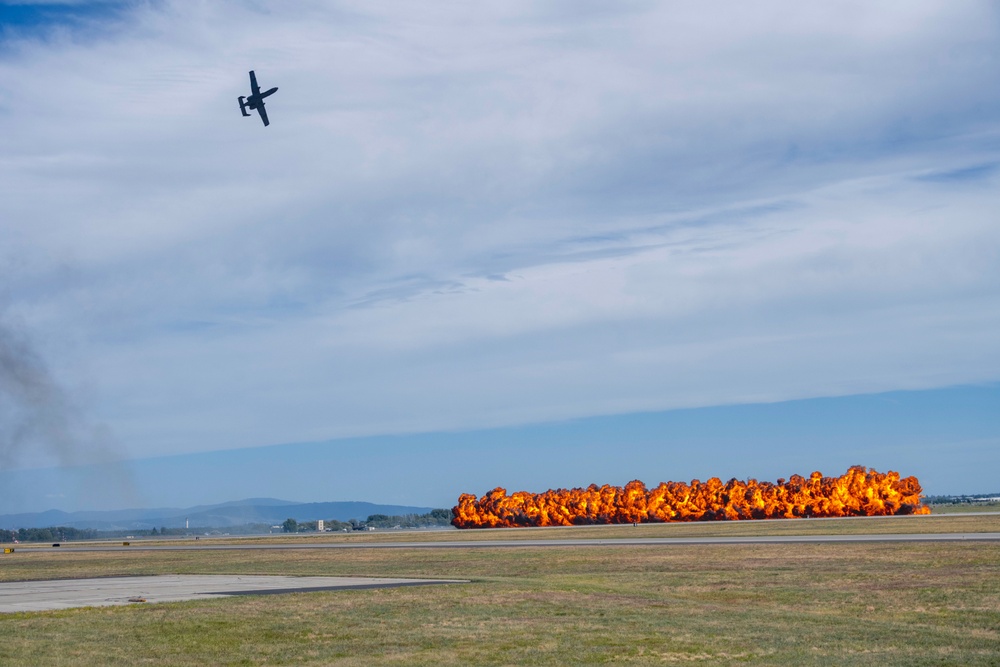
(552, 543)
(23, 596)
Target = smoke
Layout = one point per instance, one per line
(40, 423)
(35, 412)
(39, 420)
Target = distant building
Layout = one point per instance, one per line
(319, 525)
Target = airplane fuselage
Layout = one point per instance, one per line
(255, 101)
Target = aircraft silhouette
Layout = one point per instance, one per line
(256, 99)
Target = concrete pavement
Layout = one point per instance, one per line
(108, 591)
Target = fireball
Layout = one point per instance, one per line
(858, 492)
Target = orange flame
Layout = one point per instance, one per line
(858, 492)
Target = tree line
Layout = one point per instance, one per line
(53, 534)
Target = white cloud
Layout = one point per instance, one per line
(468, 216)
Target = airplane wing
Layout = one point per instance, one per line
(263, 114)
(254, 88)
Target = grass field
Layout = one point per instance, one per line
(808, 604)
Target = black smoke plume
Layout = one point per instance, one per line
(37, 415)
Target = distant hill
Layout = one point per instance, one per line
(235, 513)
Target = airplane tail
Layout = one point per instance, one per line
(243, 106)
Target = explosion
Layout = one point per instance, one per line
(858, 492)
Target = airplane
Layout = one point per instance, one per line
(256, 99)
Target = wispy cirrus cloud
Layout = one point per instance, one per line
(467, 217)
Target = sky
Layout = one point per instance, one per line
(510, 244)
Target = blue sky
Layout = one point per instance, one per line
(557, 224)
(946, 437)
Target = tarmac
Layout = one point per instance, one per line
(22, 596)
(540, 542)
